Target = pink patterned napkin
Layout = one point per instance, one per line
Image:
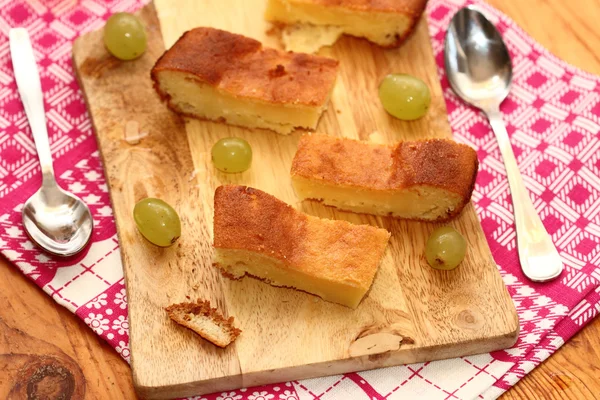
(552, 115)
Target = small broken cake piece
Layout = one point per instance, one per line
(259, 235)
(205, 321)
(426, 180)
(383, 22)
(217, 75)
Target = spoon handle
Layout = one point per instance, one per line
(539, 258)
(30, 90)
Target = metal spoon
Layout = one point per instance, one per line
(479, 70)
(56, 220)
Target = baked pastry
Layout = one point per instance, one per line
(384, 22)
(427, 180)
(259, 235)
(205, 321)
(217, 75)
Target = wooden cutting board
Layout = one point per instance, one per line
(412, 313)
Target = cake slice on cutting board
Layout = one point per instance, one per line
(217, 75)
(311, 24)
(258, 235)
(427, 180)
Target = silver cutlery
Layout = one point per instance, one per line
(479, 70)
(56, 220)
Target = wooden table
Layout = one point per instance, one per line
(32, 320)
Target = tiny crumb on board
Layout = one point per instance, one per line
(376, 137)
(132, 134)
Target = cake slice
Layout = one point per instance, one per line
(217, 75)
(428, 180)
(384, 22)
(259, 235)
(205, 321)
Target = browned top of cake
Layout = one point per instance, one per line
(252, 220)
(409, 7)
(242, 67)
(441, 163)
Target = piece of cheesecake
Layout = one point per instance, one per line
(259, 235)
(427, 180)
(217, 75)
(384, 22)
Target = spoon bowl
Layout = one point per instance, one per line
(477, 60)
(57, 221)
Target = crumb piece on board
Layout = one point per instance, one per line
(207, 322)
(132, 132)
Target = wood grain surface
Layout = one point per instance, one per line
(571, 373)
(433, 314)
(36, 331)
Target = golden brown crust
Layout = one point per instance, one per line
(407, 7)
(337, 251)
(178, 313)
(440, 163)
(242, 67)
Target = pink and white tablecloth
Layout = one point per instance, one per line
(553, 118)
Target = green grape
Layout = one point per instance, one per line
(404, 96)
(445, 248)
(157, 221)
(232, 155)
(124, 36)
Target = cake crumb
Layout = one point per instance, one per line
(376, 137)
(132, 134)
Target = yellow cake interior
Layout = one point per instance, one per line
(241, 262)
(379, 27)
(418, 202)
(190, 96)
(308, 38)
